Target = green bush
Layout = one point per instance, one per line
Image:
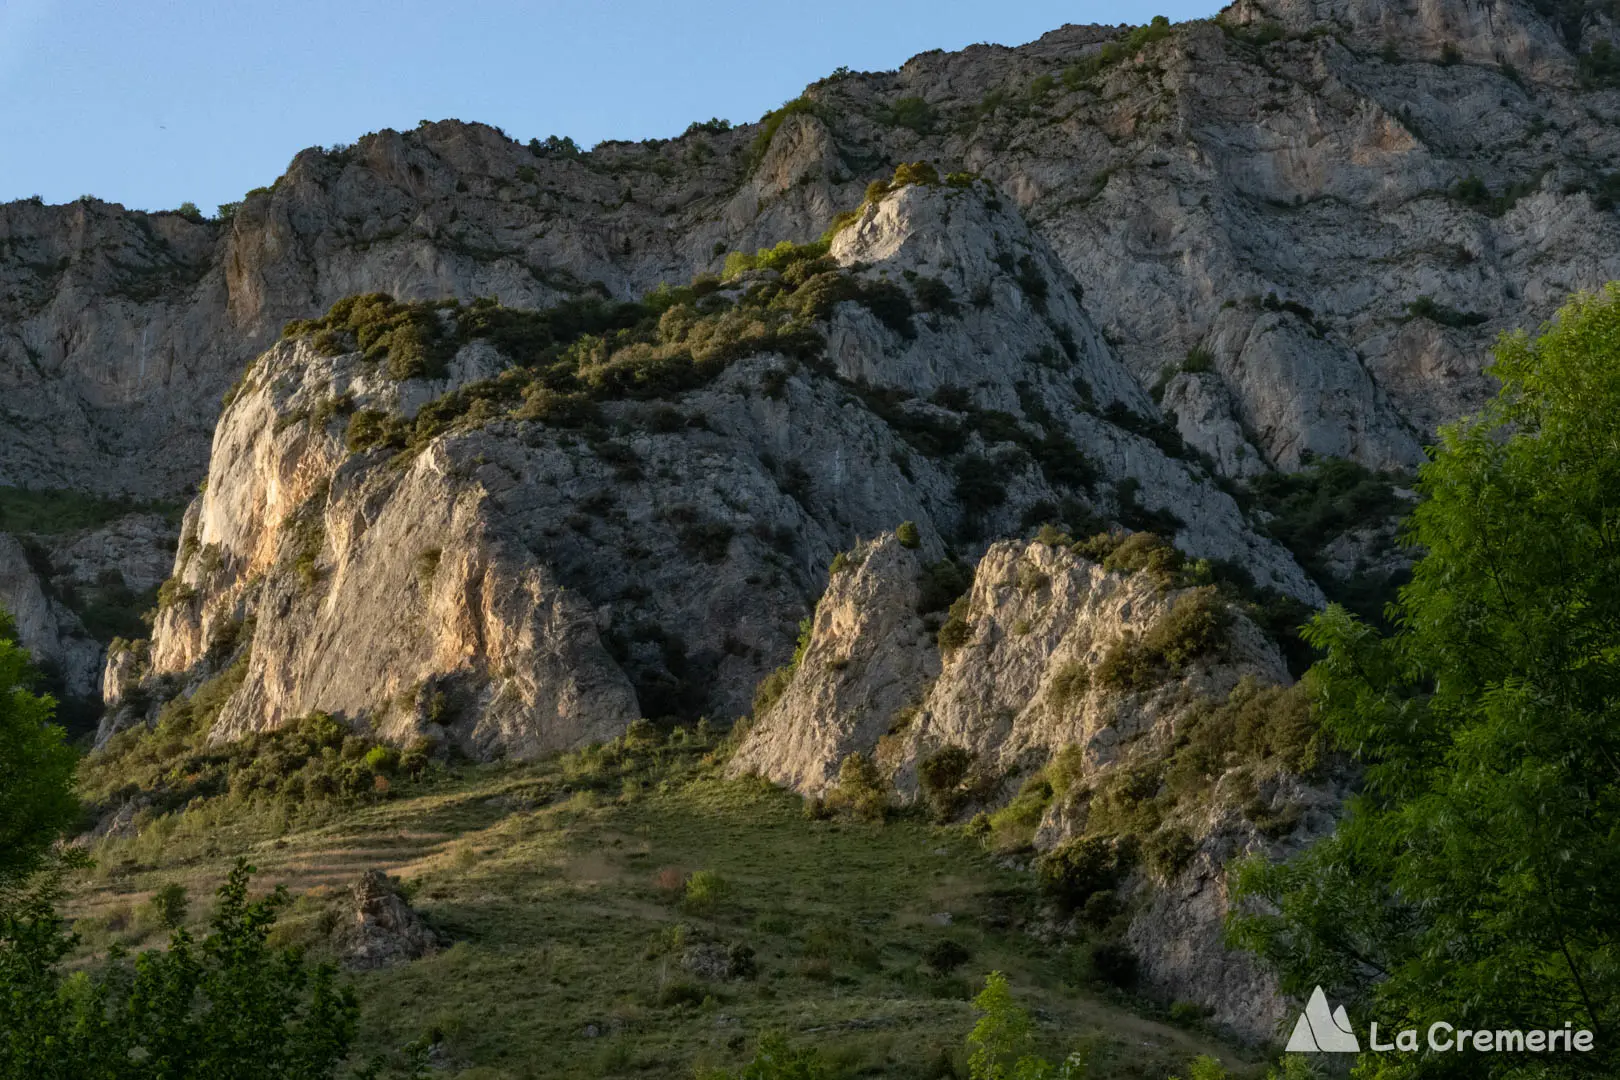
(1142, 552)
(705, 891)
(1194, 626)
(912, 113)
(1013, 826)
(940, 776)
(956, 631)
(1069, 684)
(1426, 308)
(1079, 867)
(945, 955)
(1168, 851)
(169, 905)
(861, 789)
(913, 172)
(908, 535)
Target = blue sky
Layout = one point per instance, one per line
(150, 103)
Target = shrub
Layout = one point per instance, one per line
(945, 956)
(908, 535)
(1013, 826)
(383, 760)
(1144, 552)
(1199, 359)
(1426, 308)
(169, 904)
(705, 890)
(913, 172)
(933, 295)
(715, 126)
(1071, 872)
(956, 631)
(861, 789)
(771, 122)
(942, 583)
(1069, 684)
(912, 113)
(1195, 625)
(1168, 851)
(940, 777)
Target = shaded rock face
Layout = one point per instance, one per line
(1026, 681)
(515, 588)
(1214, 168)
(382, 929)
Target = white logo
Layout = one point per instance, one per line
(1323, 1030)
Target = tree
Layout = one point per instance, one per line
(1001, 1044)
(228, 1006)
(1476, 877)
(36, 769)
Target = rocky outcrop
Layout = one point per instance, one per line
(515, 588)
(1309, 151)
(1035, 674)
(381, 929)
(869, 656)
(47, 628)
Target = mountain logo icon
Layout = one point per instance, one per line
(1322, 1029)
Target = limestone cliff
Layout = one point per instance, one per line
(1104, 678)
(1272, 188)
(531, 571)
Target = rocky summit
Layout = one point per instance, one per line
(971, 437)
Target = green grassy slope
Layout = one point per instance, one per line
(561, 886)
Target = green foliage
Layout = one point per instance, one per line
(776, 1060)
(1199, 359)
(1069, 684)
(912, 113)
(704, 892)
(783, 258)
(956, 631)
(1001, 1045)
(1311, 508)
(1113, 52)
(914, 172)
(37, 805)
(714, 126)
(1426, 308)
(1473, 192)
(1204, 1067)
(940, 776)
(1477, 875)
(229, 1005)
(942, 583)
(305, 764)
(861, 789)
(169, 905)
(585, 350)
(1012, 827)
(1257, 725)
(1082, 866)
(1141, 552)
(50, 512)
(908, 535)
(1194, 626)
